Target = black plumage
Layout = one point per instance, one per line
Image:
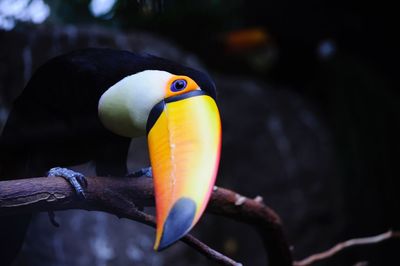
(54, 122)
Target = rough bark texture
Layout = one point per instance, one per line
(122, 196)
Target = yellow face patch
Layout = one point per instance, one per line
(124, 108)
(172, 90)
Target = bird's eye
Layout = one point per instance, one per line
(178, 85)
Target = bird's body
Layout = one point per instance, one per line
(51, 122)
(55, 121)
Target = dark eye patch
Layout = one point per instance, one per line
(178, 85)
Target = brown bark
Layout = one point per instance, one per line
(122, 196)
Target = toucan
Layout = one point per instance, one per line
(87, 105)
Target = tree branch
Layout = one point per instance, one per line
(347, 244)
(122, 196)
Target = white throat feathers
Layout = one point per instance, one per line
(124, 108)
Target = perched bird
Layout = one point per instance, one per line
(87, 105)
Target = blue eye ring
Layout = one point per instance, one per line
(178, 85)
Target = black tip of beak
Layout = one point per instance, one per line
(178, 222)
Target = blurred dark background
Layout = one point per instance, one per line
(309, 99)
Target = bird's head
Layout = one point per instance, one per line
(182, 124)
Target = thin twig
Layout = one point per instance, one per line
(346, 244)
(195, 243)
(142, 217)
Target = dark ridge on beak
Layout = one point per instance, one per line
(154, 115)
(159, 107)
(185, 96)
(178, 222)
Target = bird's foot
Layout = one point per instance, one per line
(146, 171)
(77, 180)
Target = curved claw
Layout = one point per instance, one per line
(77, 180)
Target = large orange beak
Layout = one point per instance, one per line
(184, 138)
